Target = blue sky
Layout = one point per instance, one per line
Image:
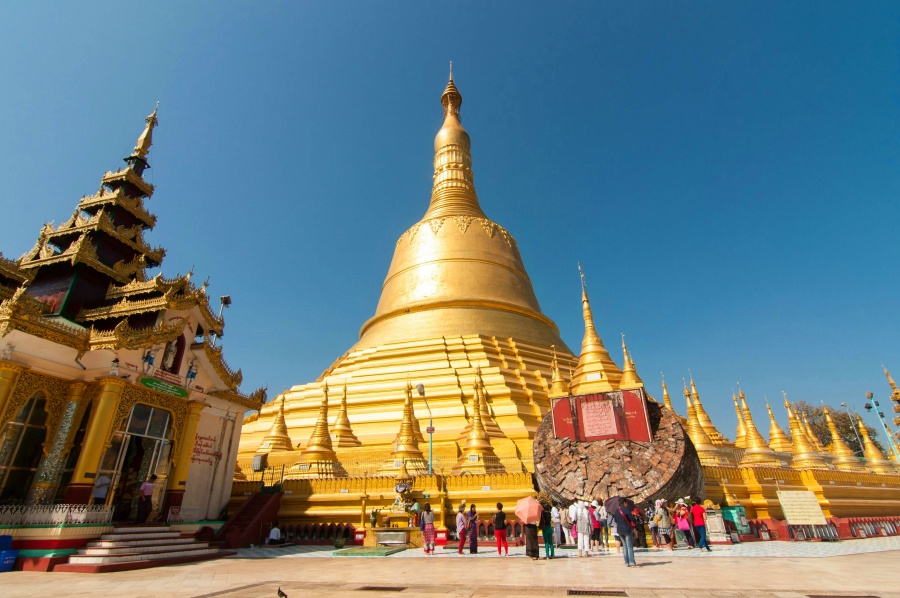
(726, 172)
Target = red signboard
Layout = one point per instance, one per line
(603, 416)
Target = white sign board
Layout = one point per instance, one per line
(801, 508)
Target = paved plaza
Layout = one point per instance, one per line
(781, 569)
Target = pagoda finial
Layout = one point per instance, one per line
(740, 439)
(277, 438)
(558, 385)
(453, 192)
(596, 371)
(703, 416)
(843, 456)
(146, 139)
(875, 460)
(805, 456)
(319, 447)
(478, 444)
(702, 443)
(341, 431)
(778, 440)
(756, 451)
(895, 392)
(630, 379)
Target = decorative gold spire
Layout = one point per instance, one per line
(630, 378)
(277, 439)
(704, 446)
(558, 386)
(319, 447)
(813, 439)
(843, 456)
(407, 443)
(453, 193)
(596, 371)
(487, 418)
(667, 401)
(740, 440)
(703, 417)
(778, 440)
(895, 392)
(478, 447)
(805, 456)
(341, 432)
(875, 460)
(756, 451)
(146, 139)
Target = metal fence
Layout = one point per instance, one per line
(54, 514)
(183, 514)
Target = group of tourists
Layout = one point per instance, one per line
(592, 526)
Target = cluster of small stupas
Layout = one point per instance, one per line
(459, 316)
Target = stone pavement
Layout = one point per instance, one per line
(779, 569)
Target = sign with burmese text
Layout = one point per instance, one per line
(801, 507)
(618, 415)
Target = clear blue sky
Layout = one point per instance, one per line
(727, 172)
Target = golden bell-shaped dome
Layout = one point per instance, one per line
(456, 272)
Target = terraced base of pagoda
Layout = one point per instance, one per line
(128, 548)
(516, 377)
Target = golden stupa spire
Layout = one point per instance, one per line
(843, 456)
(319, 447)
(453, 192)
(740, 440)
(706, 450)
(667, 401)
(341, 431)
(703, 417)
(487, 417)
(805, 456)
(146, 139)
(558, 385)
(277, 438)
(407, 443)
(778, 440)
(596, 371)
(814, 440)
(630, 378)
(875, 460)
(478, 445)
(895, 392)
(756, 451)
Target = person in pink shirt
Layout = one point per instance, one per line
(145, 496)
(698, 513)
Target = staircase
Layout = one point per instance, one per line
(139, 547)
(245, 526)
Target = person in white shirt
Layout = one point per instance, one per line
(101, 488)
(275, 534)
(557, 526)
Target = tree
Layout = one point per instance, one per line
(845, 426)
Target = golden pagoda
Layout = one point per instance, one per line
(756, 451)
(596, 371)
(278, 438)
(706, 450)
(341, 432)
(558, 385)
(843, 456)
(740, 439)
(406, 451)
(812, 435)
(667, 401)
(703, 418)
(477, 454)
(875, 460)
(805, 455)
(318, 459)
(778, 440)
(630, 379)
(456, 298)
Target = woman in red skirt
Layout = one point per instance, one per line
(428, 531)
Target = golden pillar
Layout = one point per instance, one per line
(95, 438)
(178, 476)
(44, 489)
(9, 375)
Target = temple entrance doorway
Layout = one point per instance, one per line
(141, 448)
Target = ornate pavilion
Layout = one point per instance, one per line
(459, 316)
(109, 374)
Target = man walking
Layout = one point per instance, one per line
(145, 496)
(698, 514)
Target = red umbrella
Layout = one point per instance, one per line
(529, 510)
